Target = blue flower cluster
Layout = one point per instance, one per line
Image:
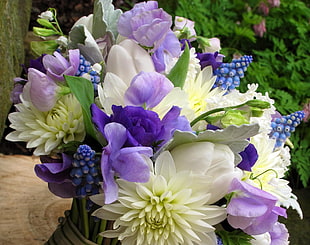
(229, 74)
(85, 68)
(283, 127)
(85, 172)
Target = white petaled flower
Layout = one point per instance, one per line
(45, 131)
(172, 208)
(47, 15)
(269, 170)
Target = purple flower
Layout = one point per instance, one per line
(251, 209)
(146, 24)
(17, 90)
(210, 59)
(57, 66)
(127, 163)
(260, 28)
(43, 90)
(279, 234)
(38, 64)
(249, 158)
(145, 127)
(168, 50)
(57, 173)
(147, 89)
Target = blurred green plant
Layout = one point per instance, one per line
(281, 55)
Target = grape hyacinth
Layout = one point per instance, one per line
(85, 172)
(283, 127)
(219, 240)
(86, 68)
(229, 74)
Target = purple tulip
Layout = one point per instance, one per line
(210, 59)
(57, 173)
(57, 66)
(43, 90)
(38, 64)
(252, 209)
(146, 24)
(249, 158)
(127, 163)
(147, 89)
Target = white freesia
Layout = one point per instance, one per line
(174, 207)
(47, 15)
(45, 131)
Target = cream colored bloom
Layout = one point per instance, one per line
(173, 208)
(269, 170)
(45, 131)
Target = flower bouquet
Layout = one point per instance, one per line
(139, 121)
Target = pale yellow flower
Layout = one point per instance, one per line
(46, 131)
(172, 208)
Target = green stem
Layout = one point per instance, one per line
(103, 225)
(74, 212)
(114, 241)
(85, 225)
(204, 115)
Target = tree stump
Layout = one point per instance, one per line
(14, 21)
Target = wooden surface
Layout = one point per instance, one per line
(29, 212)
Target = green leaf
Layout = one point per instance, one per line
(84, 92)
(43, 47)
(105, 19)
(235, 237)
(178, 73)
(43, 32)
(45, 23)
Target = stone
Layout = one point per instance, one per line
(14, 22)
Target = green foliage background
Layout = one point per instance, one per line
(281, 64)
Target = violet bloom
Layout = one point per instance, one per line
(146, 24)
(169, 49)
(17, 90)
(145, 127)
(56, 172)
(42, 90)
(210, 59)
(57, 66)
(260, 28)
(274, 3)
(249, 158)
(127, 163)
(279, 234)
(252, 209)
(263, 7)
(147, 89)
(38, 64)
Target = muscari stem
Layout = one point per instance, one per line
(85, 225)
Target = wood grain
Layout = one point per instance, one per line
(29, 212)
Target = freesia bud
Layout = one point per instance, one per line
(47, 15)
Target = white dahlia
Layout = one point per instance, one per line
(172, 208)
(46, 131)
